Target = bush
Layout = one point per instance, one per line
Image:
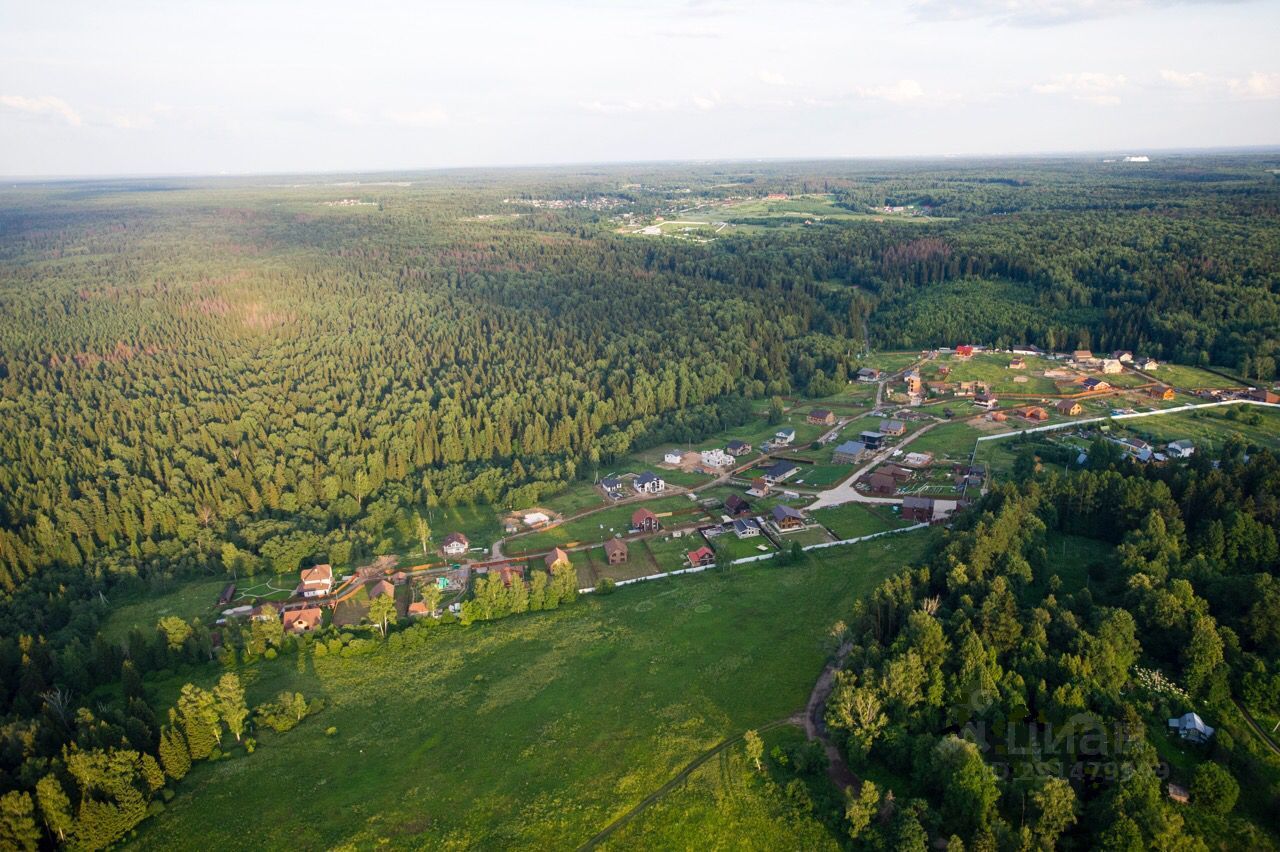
(331, 731)
(1214, 789)
(606, 586)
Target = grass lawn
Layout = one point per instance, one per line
(729, 547)
(1192, 378)
(994, 369)
(1209, 428)
(597, 526)
(889, 362)
(534, 731)
(575, 498)
(952, 441)
(479, 523)
(806, 537)
(187, 601)
(857, 519)
(669, 553)
(821, 475)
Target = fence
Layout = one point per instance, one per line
(1176, 409)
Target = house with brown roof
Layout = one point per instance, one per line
(822, 417)
(787, 518)
(1160, 392)
(1032, 412)
(615, 550)
(455, 544)
(735, 505)
(382, 589)
(759, 487)
(1263, 395)
(303, 620)
(316, 581)
(882, 483)
(897, 471)
(417, 609)
(1017, 364)
(557, 557)
(892, 427)
(703, 557)
(1069, 407)
(738, 448)
(644, 519)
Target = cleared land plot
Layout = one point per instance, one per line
(728, 546)
(599, 526)
(953, 441)
(994, 370)
(1191, 378)
(1210, 428)
(858, 519)
(530, 732)
(189, 600)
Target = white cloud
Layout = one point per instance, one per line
(898, 93)
(1040, 13)
(772, 78)
(1258, 86)
(427, 117)
(1190, 80)
(1088, 86)
(42, 105)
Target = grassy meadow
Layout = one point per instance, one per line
(533, 732)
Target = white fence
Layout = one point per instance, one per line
(761, 558)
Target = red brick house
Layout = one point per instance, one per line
(822, 417)
(643, 519)
(615, 550)
(703, 557)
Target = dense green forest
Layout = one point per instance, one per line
(229, 377)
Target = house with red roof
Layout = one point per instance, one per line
(303, 620)
(703, 557)
(316, 581)
(644, 519)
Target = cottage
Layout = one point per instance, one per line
(882, 483)
(557, 558)
(612, 486)
(868, 374)
(738, 448)
(716, 458)
(417, 609)
(746, 528)
(822, 417)
(672, 457)
(735, 505)
(615, 551)
(759, 487)
(455, 544)
(1122, 355)
(645, 520)
(918, 459)
(649, 483)
(316, 581)
(228, 592)
(303, 620)
(787, 518)
(1111, 366)
(1161, 392)
(1146, 363)
(1191, 727)
(382, 589)
(1032, 412)
(893, 427)
(703, 557)
(848, 452)
(872, 440)
(1180, 449)
(998, 416)
(985, 400)
(898, 472)
(784, 436)
(1095, 384)
(780, 472)
(1080, 355)
(1069, 407)
(1017, 364)
(917, 509)
(964, 350)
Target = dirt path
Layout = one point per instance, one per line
(815, 723)
(1257, 729)
(680, 778)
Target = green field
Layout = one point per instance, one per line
(532, 732)
(729, 547)
(1209, 428)
(195, 599)
(993, 368)
(1191, 378)
(858, 519)
(952, 441)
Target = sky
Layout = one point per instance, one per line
(191, 87)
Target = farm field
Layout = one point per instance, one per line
(535, 731)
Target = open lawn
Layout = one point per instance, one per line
(193, 599)
(953, 441)
(533, 732)
(729, 547)
(888, 362)
(993, 368)
(479, 523)
(1191, 378)
(857, 519)
(1209, 429)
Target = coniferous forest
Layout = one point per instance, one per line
(218, 378)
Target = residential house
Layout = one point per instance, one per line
(643, 519)
(612, 486)
(868, 374)
(455, 544)
(1122, 355)
(703, 557)
(649, 483)
(848, 452)
(998, 416)
(417, 609)
(382, 589)
(672, 457)
(882, 483)
(1032, 412)
(1095, 384)
(746, 528)
(1069, 407)
(735, 505)
(1146, 363)
(1190, 727)
(894, 428)
(927, 510)
(228, 592)
(937, 388)
(1183, 449)
(1081, 356)
(822, 417)
(557, 557)
(897, 471)
(784, 436)
(918, 459)
(1162, 392)
(302, 620)
(964, 350)
(508, 574)
(915, 385)
(1017, 364)
(872, 440)
(985, 400)
(1110, 366)
(1027, 349)
(1263, 395)
(759, 487)
(716, 458)
(316, 582)
(787, 518)
(780, 472)
(738, 448)
(615, 551)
